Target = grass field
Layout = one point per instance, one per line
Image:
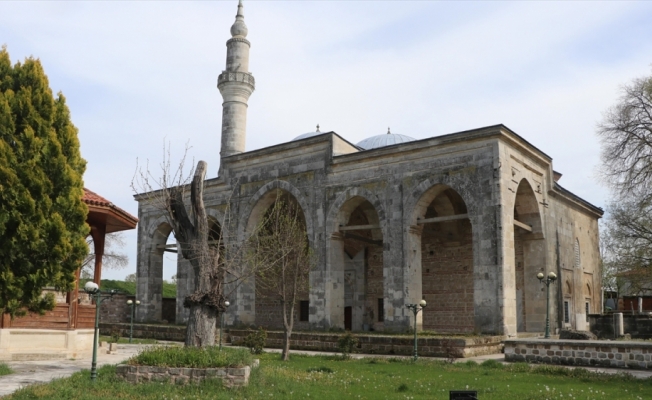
(5, 370)
(306, 377)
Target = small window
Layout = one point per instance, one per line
(304, 310)
(567, 311)
(381, 310)
(587, 308)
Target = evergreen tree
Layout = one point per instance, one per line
(42, 215)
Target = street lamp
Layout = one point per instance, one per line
(226, 304)
(133, 305)
(547, 281)
(94, 291)
(415, 309)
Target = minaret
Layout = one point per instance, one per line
(236, 85)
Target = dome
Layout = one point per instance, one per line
(309, 134)
(387, 139)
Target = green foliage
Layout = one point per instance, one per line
(115, 336)
(5, 370)
(42, 215)
(169, 289)
(255, 341)
(123, 340)
(192, 357)
(347, 344)
(320, 369)
(402, 388)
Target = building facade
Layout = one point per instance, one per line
(465, 221)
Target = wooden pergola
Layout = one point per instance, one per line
(103, 217)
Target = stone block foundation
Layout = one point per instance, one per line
(231, 377)
(589, 353)
(457, 347)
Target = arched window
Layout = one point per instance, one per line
(578, 263)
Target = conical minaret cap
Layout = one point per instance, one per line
(239, 29)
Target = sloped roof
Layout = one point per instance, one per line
(103, 212)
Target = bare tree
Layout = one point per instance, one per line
(626, 136)
(626, 247)
(113, 258)
(217, 263)
(626, 235)
(283, 251)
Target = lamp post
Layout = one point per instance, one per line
(547, 281)
(133, 305)
(415, 309)
(226, 304)
(94, 291)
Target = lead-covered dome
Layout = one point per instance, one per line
(387, 139)
(309, 134)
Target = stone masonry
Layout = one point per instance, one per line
(593, 353)
(465, 220)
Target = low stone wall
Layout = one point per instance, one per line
(17, 344)
(116, 309)
(175, 333)
(590, 353)
(231, 377)
(458, 347)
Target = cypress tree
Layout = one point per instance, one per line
(42, 215)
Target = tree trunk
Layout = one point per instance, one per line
(285, 356)
(202, 326)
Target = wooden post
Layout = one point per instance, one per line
(98, 233)
(5, 321)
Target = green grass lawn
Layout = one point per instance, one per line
(327, 377)
(5, 370)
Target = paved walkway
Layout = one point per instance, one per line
(30, 372)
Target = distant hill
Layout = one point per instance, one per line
(169, 289)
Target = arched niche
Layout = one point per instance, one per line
(355, 293)
(440, 261)
(262, 308)
(529, 260)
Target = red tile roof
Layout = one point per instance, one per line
(93, 199)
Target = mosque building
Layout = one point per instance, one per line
(465, 221)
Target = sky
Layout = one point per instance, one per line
(140, 75)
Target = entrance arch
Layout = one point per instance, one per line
(265, 309)
(529, 260)
(149, 275)
(356, 293)
(441, 261)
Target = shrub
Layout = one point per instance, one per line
(5, 370)
(192, 357)
(255, 341)
(115, 336)
(402, 388)
(347, 344)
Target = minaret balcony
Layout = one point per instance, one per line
(239, 77)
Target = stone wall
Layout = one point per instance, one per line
(637, 326)
(231, 377)
(116, 309)
(379, 344)
(593, 353)
(173, 333)
(447, 269)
